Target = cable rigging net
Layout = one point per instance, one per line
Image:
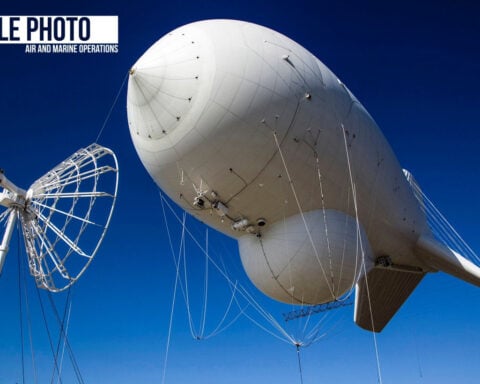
(239, 296)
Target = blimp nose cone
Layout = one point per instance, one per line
(164, 84)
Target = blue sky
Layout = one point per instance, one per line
(413, 66)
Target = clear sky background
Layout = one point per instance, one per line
(414, 65)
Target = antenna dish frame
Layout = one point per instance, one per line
(58, 211)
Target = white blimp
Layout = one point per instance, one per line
(252, 134)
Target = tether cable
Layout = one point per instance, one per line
(111, 108)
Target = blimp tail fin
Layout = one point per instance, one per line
(439, 256)
(381, 293)
(436, 249)
(387, 290)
